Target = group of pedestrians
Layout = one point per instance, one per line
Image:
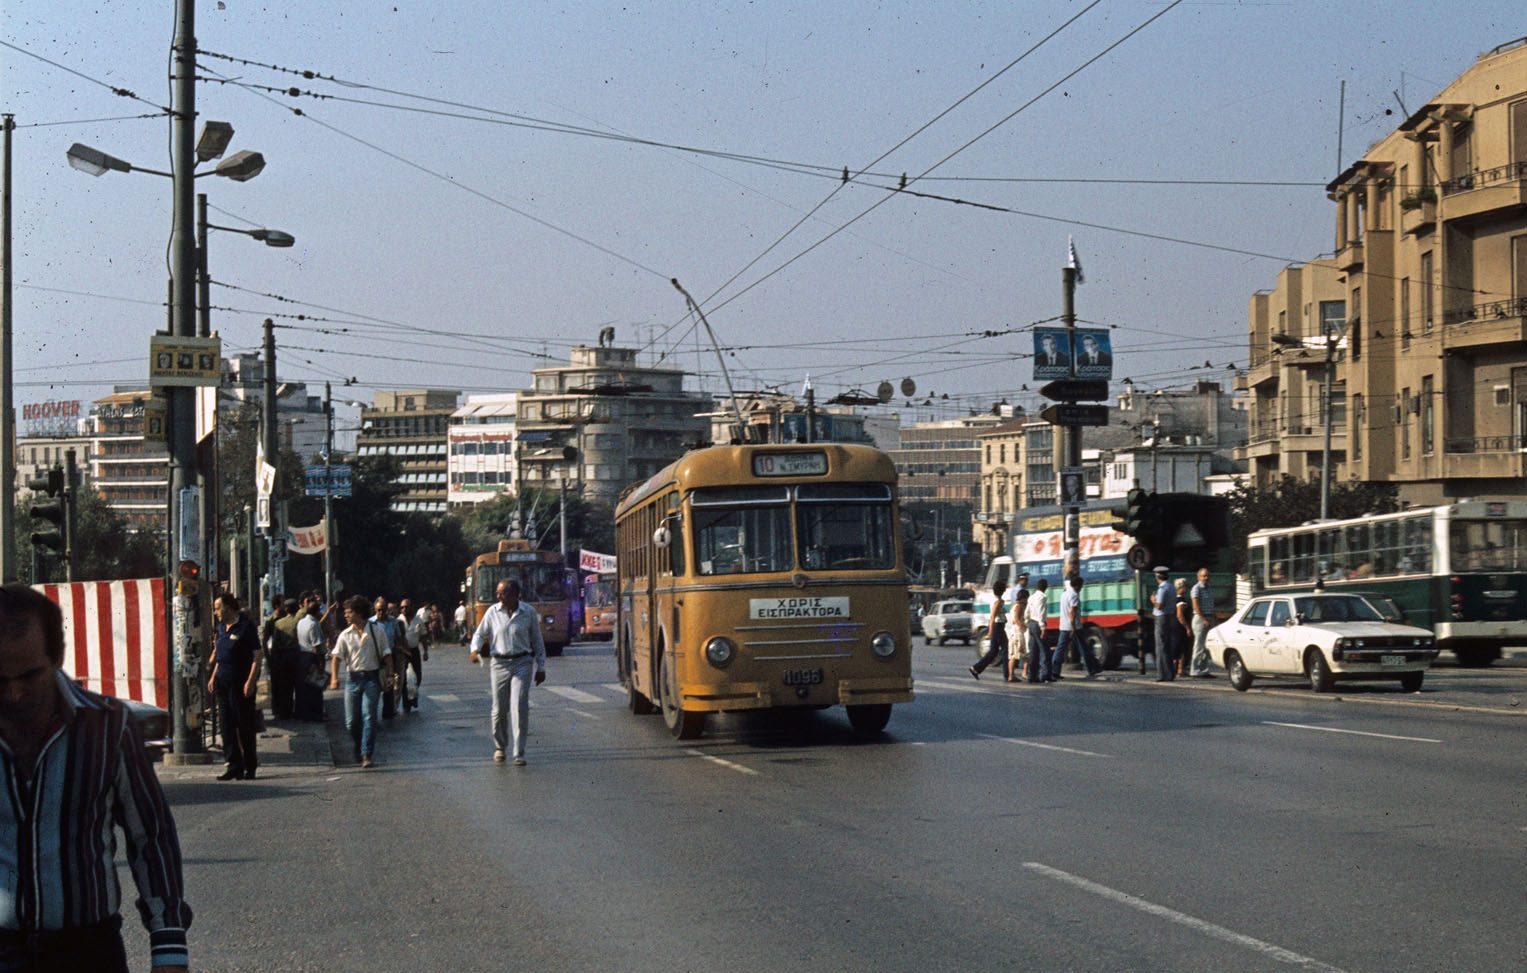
(380, 646)
(1182, 620)
(1018, 635)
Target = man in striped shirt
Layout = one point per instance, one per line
(74, 770)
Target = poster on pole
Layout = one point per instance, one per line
(1093, 353)
(1052, 353)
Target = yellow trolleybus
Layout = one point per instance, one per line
(764, 576)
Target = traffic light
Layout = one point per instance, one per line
(1132, 518)
(52, 542)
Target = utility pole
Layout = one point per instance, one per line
(275, 543)
(186, 533)
(1068, 445)
(328, 496)
(8, 569)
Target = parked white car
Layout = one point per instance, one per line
(949, 620)
(1321, 637)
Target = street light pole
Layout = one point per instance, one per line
(187, 539)
(8, 568)
(328, 495)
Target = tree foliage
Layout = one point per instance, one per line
(1294, 501)
(104, 549)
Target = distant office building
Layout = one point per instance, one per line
(131, 473)
(603, 421)
(480, 449)
(410, 426)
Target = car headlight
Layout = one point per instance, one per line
(719, 651)
(883, 645)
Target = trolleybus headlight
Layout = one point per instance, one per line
(719, 651)
(883, 645)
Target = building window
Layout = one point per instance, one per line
(1404, 419)
(1354, 326)
(988, 454)
(1426, 291)
(1428, 441)
(1404, 313)
(1002, 453)
(1358, 418)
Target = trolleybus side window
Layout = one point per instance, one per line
(845, 526)
(675, 524)
(742, 530)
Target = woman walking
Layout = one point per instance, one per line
(996, 632)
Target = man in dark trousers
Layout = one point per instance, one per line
(235, 676)
(284, 655)
(77, 758)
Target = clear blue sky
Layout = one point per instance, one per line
(441, 246)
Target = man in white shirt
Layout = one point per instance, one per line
(1070, 630)
(1038, 619)
(366, 652)
(510, 635)
(461, 621)
(416, 632)
(310, 653)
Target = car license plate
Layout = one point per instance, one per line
(803, 677)
(1393, 660)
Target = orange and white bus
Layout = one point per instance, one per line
(599, 605)
(764, 576)
(545, 582)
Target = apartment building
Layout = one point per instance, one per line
(480, 446)
(603, 421)
(410, 425)
(1423, 309)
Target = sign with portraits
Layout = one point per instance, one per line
(183, 361)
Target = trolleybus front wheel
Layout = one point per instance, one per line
(870, 717)
(683, 725)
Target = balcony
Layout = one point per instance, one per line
(1418, 219)
(1350, 257)
(1263, 369)
(1489, 457)
(1486, 193)
(1485, 325)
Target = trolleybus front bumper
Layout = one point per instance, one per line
(758, 695)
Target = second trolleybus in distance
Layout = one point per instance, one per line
(599, 605)
(764, 576)
(546, 583)
(1459, 569)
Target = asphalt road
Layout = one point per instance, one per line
(1110, 825)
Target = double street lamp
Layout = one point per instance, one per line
(188, 541)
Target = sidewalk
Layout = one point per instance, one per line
(287, 748)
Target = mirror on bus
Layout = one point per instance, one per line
(662, 537)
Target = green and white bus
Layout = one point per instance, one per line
(1459, 569)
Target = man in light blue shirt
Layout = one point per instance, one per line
(1164, 612)
(510, 635)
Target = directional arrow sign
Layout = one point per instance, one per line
(1075, 415)
(1074, 390)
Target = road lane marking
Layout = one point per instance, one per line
(1043, 746)
(443, 697)
(614, 687)
(1198, 925)
(723, 763)
(961, 687)
(579, 712)
(573, 695)
(1359, 733)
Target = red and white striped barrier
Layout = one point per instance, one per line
(116, 637)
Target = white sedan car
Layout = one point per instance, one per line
(950, 620)
(1321, 637)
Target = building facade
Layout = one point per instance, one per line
(480, 449)
(603, 421)
(1430, 356)
(130, 471)
(411, 425)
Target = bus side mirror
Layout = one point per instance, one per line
(662, 537)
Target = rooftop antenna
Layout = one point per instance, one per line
(742, 425)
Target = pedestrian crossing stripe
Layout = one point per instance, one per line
(573, 695)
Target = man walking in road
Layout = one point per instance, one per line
(313, 647)
(397, 647)
(416, 633)
(77, 759)
(282, 652)
(367, 654)
(510, 634)
(1071, 630)
(1038, 617)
